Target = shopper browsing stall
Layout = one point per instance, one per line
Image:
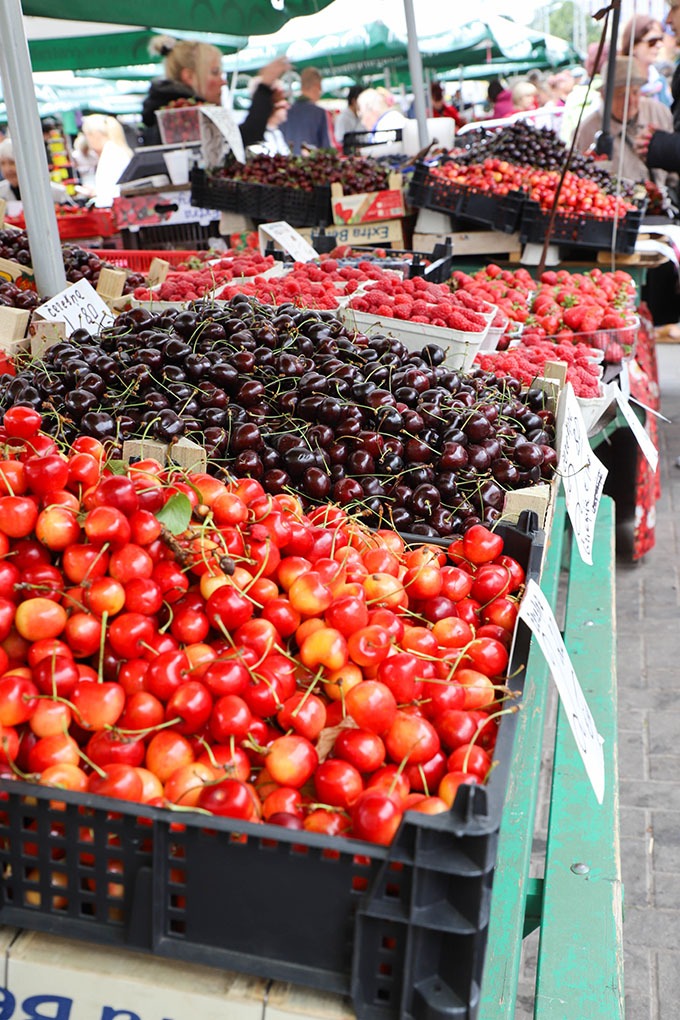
(193, 71)
(9, 187)
(105, 137)
(307, 122)
(348, 120)
(631, 114)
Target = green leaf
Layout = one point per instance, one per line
(117, 467)
(176, 513)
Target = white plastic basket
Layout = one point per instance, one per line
(460, 347)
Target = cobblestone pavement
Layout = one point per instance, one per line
(648, 639)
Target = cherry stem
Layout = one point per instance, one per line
(141, 734)
(480, 726)
(102, 642)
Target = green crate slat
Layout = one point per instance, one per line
(580, 959)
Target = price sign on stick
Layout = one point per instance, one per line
(637, 428)
(79, 306)
(538, 616)
(219, 135)
(288, 239)
(582, 475)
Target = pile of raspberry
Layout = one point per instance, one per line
(191, 284)
(527, 361)
(418, 300)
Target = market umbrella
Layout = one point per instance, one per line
(485, 40)
(111, 49)
(241, 17)
(359, 44)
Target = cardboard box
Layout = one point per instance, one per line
(160, 207)
(369, 207)
(375, 234)
(68, 980)
(15, 272)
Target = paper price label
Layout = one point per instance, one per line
(219, 135)
(79, 306)
(537, 614)
(582, 474)
(288, 239)
(637, 428)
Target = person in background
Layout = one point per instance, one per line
(645, 36)
(9, 186)
(561, 86)
(379, 112)
(106, 138)
(585, 96)
(524, 97)
(440, 108)
(672, 26)
(348, 120)
(641, 113)
(193, 70)
(500, 99)
(85, 161)
(274, 143)
(307, 122)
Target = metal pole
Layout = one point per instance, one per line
(29, 149)
(415, 66)
(604, 144)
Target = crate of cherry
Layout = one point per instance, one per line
(582, 229)
(267, 202)
(215, 705)
(499, 211)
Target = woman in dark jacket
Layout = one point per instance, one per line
(193, 70)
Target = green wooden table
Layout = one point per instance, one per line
(577, 903)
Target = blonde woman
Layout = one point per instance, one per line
(193, 70)
(106, 138)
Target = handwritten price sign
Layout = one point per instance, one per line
(537, 614)
(79, 307)
(582, 474)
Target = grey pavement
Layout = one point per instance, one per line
(648, 638)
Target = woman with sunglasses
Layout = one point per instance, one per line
(644, 36)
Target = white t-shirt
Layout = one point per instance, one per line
(112, 162)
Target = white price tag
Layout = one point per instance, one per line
(219, 135)
(79, 307)
(582, 474)
(637, 428)
(538, 616)
(288, 239)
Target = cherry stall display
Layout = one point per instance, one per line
(296, 189)
(523, 144)
(175, 648)
(79, 264)
(595, 308)
(294, 398)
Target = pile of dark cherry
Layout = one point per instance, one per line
(292, 398)
(323, 166)
(524, 144)
(78, 263)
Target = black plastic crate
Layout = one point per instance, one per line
(266, 202)
(402, 929)
(172, 236)
(355, 140)
(581, 231)
(500, 212)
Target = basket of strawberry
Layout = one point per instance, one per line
(180, 121)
